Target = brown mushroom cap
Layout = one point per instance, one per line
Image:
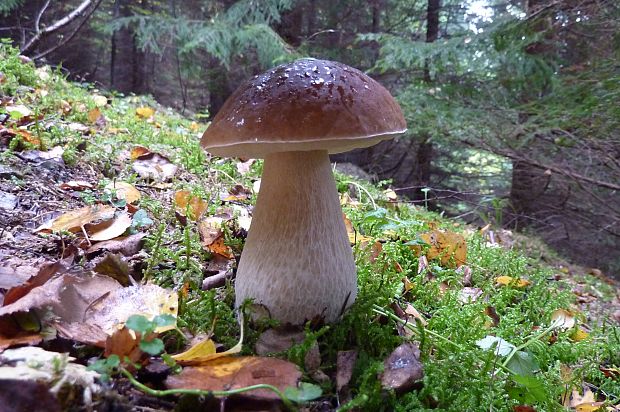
(305, 105)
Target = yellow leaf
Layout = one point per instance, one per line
(193, 126)
(510, 281)
(590, 407)
(188, 203)
(449, 247)
(145, 112)
(138, 151)
(204, 352)
(94, 114)
(201, 349)
(578, 335)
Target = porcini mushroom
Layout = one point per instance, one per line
(297, 261)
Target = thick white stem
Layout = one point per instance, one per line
(297, 261)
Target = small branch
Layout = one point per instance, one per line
(37, 23)
(40, 35)
(68, 38)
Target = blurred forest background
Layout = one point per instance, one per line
(513, 106)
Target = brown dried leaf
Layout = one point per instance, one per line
(12, 335)
(114, 266)
(44, 274)
(127, 246)
(82, 332)
(124, 344)
(74, 220)
(68, 296)
(238, 372)
(345, 363)
(15, 271)
(78, 185)
(402, 369)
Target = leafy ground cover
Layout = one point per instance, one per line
(119, 241)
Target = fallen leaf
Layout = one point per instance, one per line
(502, 347)
(407, 285)
(27, 137)
(54, 154)
(112, 310)
(110, 229)
(237, 193)
(125, 191)
(204, 352)
(114, 266)
(280, 339)
(127, 246)
(491, 312)
(138, 151)
(402, 369)
(154, 166)
(12, 335)
(74, 220)
(190, 205)
(230, 373)
(94, 115)
(78, 185)
(578, 335)
(449, 247)
(81, 332)
(18, 111)
(15, 271)
(123, 343)
(145, 112)
(67, 296)
(44, 273)
(469, 295)
(412, 313)
(345, 363)
(510, 281)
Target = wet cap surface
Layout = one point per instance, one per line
(308, 104)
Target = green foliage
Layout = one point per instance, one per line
(244, 26)
(7, 6)
(14, 72)
(138, 323)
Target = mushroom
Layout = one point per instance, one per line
(297, 261)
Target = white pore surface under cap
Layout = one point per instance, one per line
(297, 261)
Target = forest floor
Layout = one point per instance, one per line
(119, 241)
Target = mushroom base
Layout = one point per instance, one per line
(297, 262)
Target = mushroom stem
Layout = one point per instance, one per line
(297, 262)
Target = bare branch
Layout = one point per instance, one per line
(68, 38)
(40, 35)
